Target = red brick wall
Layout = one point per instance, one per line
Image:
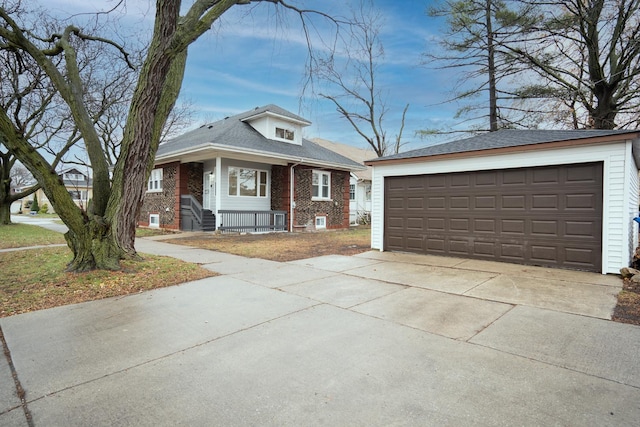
(336, 210)
(163, 203)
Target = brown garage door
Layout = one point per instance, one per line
(549, 216)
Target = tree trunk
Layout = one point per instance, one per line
(93, 248)
(158, 88)
(491, 67)
(5, 213)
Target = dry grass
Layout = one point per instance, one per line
(35, 279)
(283, 246)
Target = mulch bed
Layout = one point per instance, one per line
(628, 308)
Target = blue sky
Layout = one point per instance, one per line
(256, 55)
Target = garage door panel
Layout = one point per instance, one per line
(396, 203)
(512, 252)
(485, 202)
(545, 176)
(484, 248)
(581, 202)
(583, 174)
(460, 181)
(486, 179)
(436, 224)
(514, 226)
(458, 246)
(579, 256)
(436, 203)
(514, 177)
(544, 228)
(549, 216)
(459, 202)
(459, 224)
(543, 253)
(435, 245)
(514, 202)
(484, 226)
(415, 224)
(581, 229)
(545, 201)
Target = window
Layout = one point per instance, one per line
(78, 194)
(154, 220)
(74, 177)
(321, 185)
(352, 192)
(367, 193)
(155, 180)
(321, 222)
(247, 182)
(284, 134)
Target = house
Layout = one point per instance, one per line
(360, 181)
(78, 184)
(249, 172)
(562, 199)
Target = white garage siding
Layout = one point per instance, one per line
(619, 199)
(632, 197)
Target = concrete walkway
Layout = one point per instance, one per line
(374, 339)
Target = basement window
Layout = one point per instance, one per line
(154, 220)
(321, 222)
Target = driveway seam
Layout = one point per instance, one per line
(494, 321)
(165, 356)
(19, 390)
(480, 284)
(556, 366)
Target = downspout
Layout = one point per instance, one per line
(291, 194)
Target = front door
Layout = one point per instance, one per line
(209, 190)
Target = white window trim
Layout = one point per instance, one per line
(267, 191)
(157, 223)
(319, 196)
(321, 222)
(285, 131)
(156, 176)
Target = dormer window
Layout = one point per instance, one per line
(285, 134)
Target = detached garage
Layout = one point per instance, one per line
(562, 199)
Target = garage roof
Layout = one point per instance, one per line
(510, 138)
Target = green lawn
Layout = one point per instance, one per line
(23, 235)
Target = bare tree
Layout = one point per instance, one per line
(588, 56)
(104, 236)
(353, 85)
(471, 46)
(37, 114)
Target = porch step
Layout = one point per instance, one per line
(208, 220)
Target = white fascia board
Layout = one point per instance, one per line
(279, 116)
(175, 155)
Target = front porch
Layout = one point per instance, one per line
(196, 218)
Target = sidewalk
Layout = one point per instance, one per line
(374, 339)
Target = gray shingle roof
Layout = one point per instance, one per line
(237, 134)
(504, 139)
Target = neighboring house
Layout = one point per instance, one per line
(78, 184)
(360, 181)
(249, 172)
(562, 199)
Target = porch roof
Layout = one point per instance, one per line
(233, 136)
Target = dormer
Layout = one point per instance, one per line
(275, 123)
(73, 175)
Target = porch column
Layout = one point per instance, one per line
(218, 172)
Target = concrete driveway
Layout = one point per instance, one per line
(374, 339)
